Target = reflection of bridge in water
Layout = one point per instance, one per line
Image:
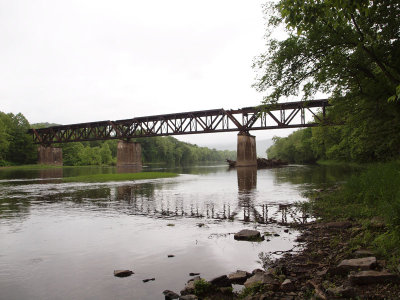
(142, 199)
(159, 199)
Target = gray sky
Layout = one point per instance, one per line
(80, 61)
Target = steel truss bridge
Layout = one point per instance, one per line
(273, 116)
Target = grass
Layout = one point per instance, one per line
(119, 177)
(30, 167)
(372, 199)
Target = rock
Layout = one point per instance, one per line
(238, 277)
(188, 297)
(341, 291)
(381, 263)
(170, 295)
(363, 253)
(194, 274)
(286, 230)
(260, 278)
(377, 223)
(338, 225)
(248, 235)
(300, 239)
(356, 264)
(123, 273)
(149, 279)
(189, 287)
(287, 285)
(275, 234)
(371, 277)
(227, 290)
(257, 271)
(221, 281)
(171, 255)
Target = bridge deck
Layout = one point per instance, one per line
(274, 116)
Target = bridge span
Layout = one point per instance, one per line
(273, 116)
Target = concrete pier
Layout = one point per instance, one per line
(129, 154)
(246, 150)
(50, 156)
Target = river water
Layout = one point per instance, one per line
(64, 240)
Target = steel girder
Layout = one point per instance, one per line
(274, 116)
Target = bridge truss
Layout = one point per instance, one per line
(274, 116)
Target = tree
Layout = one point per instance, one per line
(333, 46)
(350, 50)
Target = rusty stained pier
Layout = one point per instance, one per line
(274, 116)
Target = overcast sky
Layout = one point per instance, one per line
(90, 60)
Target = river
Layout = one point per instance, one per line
(64, 240)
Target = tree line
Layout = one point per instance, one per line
(16, 148)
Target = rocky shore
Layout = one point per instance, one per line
(262, 163)
(327, 268)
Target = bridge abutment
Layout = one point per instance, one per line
(246, 150)
(129, 154)
(48, 155)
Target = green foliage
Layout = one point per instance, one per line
(255, 288)
(118, 177)
(296, 148)
(170, 150)
(351, 50)
(202, 287)
(16, 146)
(154, 150)
(375, 193)
(334, 44)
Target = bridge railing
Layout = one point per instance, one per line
(281, 115)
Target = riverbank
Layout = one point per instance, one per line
(119, 177)
(351, 251)
(30, 167)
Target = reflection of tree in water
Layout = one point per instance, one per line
(314, 175)
(14, 208)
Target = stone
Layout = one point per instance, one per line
(377, 223)
(355, 264)
(287, 285)
(338, 225)
(238, 277)
(193, 274)
(188, 297)
(189, 287)
(123, 273)
(170, 295)
(248, 235)
(372, 277)
(221, 281)
(341, 291)
(381, 263)
(171, 255)
(149, 279)
(227, 290)
(262, 278)
(286, 230)
(363, 253)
